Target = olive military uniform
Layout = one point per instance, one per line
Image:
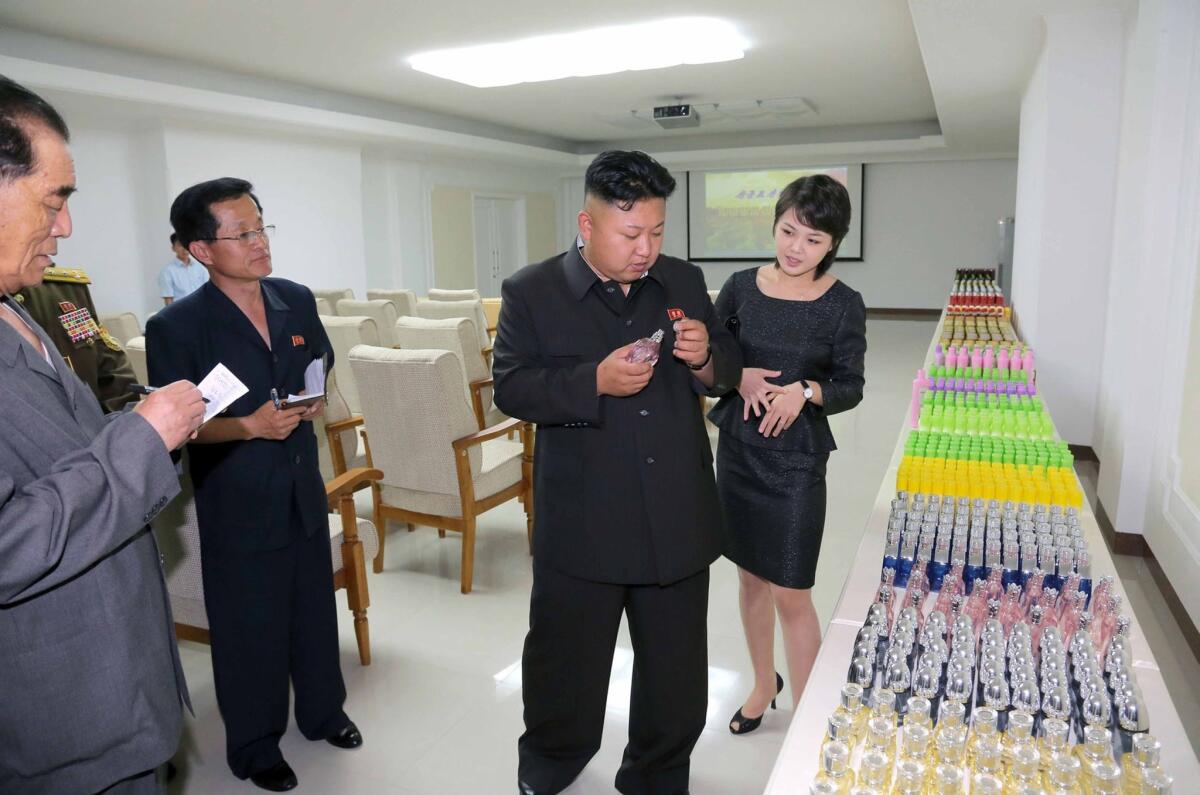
(62, 305)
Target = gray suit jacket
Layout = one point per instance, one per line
(90, 681)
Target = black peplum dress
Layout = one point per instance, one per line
(773, 489)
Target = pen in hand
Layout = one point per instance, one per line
(275, 397)
(142, 389)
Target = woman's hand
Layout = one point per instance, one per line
(756, 392)
(785, 406)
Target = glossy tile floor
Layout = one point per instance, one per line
(440, 705)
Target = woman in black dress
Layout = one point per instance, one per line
(803, 335)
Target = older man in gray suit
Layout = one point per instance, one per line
(90, 681)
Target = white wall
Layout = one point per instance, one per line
(921, 220)
(310, 190)
(1068, 152)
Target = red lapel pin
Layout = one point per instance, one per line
(297, 340)
(675, 314)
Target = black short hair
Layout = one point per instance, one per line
(174, 238)
(191, 212)
(624, 178)
(19, 108)
(820, 202)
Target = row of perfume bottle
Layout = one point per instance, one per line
(965, 328)
(917, 758)
(1007, 451)
(1022, 480)
(1005, 357)
(988, 423)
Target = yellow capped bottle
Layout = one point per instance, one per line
(835, 766)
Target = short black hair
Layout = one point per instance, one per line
(191, 212)
(820, 202)
(19, 108)
(624, 178)
(174, 238)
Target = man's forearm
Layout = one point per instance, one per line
(225, 429)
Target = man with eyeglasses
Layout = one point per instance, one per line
(260, 499)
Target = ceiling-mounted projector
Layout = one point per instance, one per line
(672, 117)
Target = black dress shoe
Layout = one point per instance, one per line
(740, 724)
(347, 738)
(279, 778)
(525, 789)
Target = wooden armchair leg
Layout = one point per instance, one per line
(468, 554)
(357, 597)
(441, 532)
(380, 528)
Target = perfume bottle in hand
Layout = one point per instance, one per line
(646, 349)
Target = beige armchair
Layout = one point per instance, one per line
(491, 311)
(472, 310)
(124, 326)
(324, 307)
(344, 333)
(333, 295)
(135, 350)
(456, 335)
(439, 470)
(405, 300)
(381, 310)
(340, 447)
(351, 540)
(438, 294)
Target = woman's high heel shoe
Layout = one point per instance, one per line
(746, 725)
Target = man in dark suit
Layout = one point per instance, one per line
(626, 517)
(90, 681)
(260, 500)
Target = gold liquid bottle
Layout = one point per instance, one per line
(950, 746)
(875, 769)
(881, 737)
(910, 778)
(1019, 734)
(840, 727)
(883, 704)
(1022, 769)
(1063, 777)
(1095, 750)
(852, 707)
(835, 767)
(1055, 740)
(859, 789)
(986, 784)
(989, 757)
(983, 728)
(1104, 778)
(918, 712)
(821, 786)
(1136, 764)
(1156, 782)
(914, 744)
(947, 780)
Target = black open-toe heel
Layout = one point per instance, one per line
(746, 725)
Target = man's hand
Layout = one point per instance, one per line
(691, 341)
(175, 412)
(786, 405)
(619, 378)
(756, 391)
(268, 422)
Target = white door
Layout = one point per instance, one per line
(499, 241)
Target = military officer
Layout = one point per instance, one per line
(62, 305)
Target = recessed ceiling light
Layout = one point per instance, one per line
(599, 51)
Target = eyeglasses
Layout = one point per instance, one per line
(252, 236)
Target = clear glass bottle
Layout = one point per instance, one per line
(984, 724)
(863, 789)
(835, 766)
(918, 713)
(914, 743)
(1095, 750)
(950, 745)
(852, 706)
(988, 756)
(883, 704)
(1063, 778)
(1018, 735)
(1104, 778)
(838, 727)
(1055, 740)
(1156, 782)
(1144, 757)
(986, 784)
(881, 736)
(910, 778)
(875, 769)
(946, 780)
(1022, 769)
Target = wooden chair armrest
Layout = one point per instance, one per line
(481, 383)
(497, 430)
(477, 401)
(351, 481)
(343, 425)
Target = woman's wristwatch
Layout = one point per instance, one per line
(702, 364)
(808, 393)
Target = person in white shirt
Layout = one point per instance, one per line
(180, 276)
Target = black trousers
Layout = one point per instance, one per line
(565, 669)
(272, 617)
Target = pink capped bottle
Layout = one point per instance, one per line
(1010, 608)
(989, 358)
(1033, 587)
(1108, 624)
(1048, 603)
